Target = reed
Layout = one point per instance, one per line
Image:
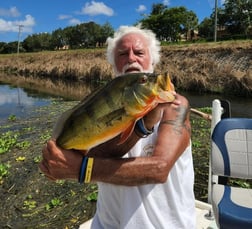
(223, 67)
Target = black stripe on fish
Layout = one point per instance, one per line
(115, 115)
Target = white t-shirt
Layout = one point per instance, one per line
(154, 206)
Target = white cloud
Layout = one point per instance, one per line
(64, 16)
(70, 18)
(74, 21)
(12, 12)
(96, 8)
(167, 2)
(141, 8)
(13, 26)
(14, 97)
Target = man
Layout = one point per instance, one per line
(147, 182)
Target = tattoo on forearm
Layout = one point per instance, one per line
(180, 121)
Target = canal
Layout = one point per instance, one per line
(19, 101)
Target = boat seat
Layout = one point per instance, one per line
(231, 156)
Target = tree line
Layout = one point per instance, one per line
(83, 35)
(233, 20)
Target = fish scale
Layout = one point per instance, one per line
(112, 110)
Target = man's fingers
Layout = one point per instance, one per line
(44, 169)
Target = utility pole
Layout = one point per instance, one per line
(215, 20)
(19, 33)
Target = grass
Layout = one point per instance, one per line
(210, 67)
(201, 150)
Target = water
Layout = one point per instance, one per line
(240, 107)
(19, 102)
(16, 101)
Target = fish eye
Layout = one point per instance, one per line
(143, 79)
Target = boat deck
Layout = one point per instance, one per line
(204, 217)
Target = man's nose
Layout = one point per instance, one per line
(132, 57)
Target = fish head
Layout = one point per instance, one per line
(146, 91)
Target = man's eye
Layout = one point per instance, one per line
(123, 54)
(139, 53)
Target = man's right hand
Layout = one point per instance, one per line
(59, 163)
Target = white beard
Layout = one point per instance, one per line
(137, 68)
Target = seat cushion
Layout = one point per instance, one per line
(232, 206)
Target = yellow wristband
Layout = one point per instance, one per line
(89, 170)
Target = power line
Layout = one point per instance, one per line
(19, 33)
(215, 20)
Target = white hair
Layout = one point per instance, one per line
(154, 44)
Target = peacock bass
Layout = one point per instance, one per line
(112, 110)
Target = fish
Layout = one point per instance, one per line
(112, 110)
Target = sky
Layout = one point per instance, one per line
(20, 18)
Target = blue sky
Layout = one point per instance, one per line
(48, 15)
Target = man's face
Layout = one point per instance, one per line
(132, 54)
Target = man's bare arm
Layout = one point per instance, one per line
(173, 138)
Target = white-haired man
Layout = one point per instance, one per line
(145, 182)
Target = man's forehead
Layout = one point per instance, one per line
(133, 39)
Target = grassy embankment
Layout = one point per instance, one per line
(223, 67)
(28, 199)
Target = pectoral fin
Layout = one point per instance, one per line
(166, 96)
(58, 127)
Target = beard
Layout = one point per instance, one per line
(134, 67)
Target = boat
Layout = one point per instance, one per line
(228, 207)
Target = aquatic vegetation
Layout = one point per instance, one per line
(201, 150)
(44, 137)
(4, 170)
(55, 202)
(23, 145)
(94, 194)
(7, 140)
(241, 183)
(37, 159)
(29, 203)
(12, 117)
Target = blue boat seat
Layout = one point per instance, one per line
(231, 156)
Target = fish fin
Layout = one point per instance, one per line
(58, 127)
(165, 96)
(125, 134)
(169, 84)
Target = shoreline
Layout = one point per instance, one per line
(223, 67)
